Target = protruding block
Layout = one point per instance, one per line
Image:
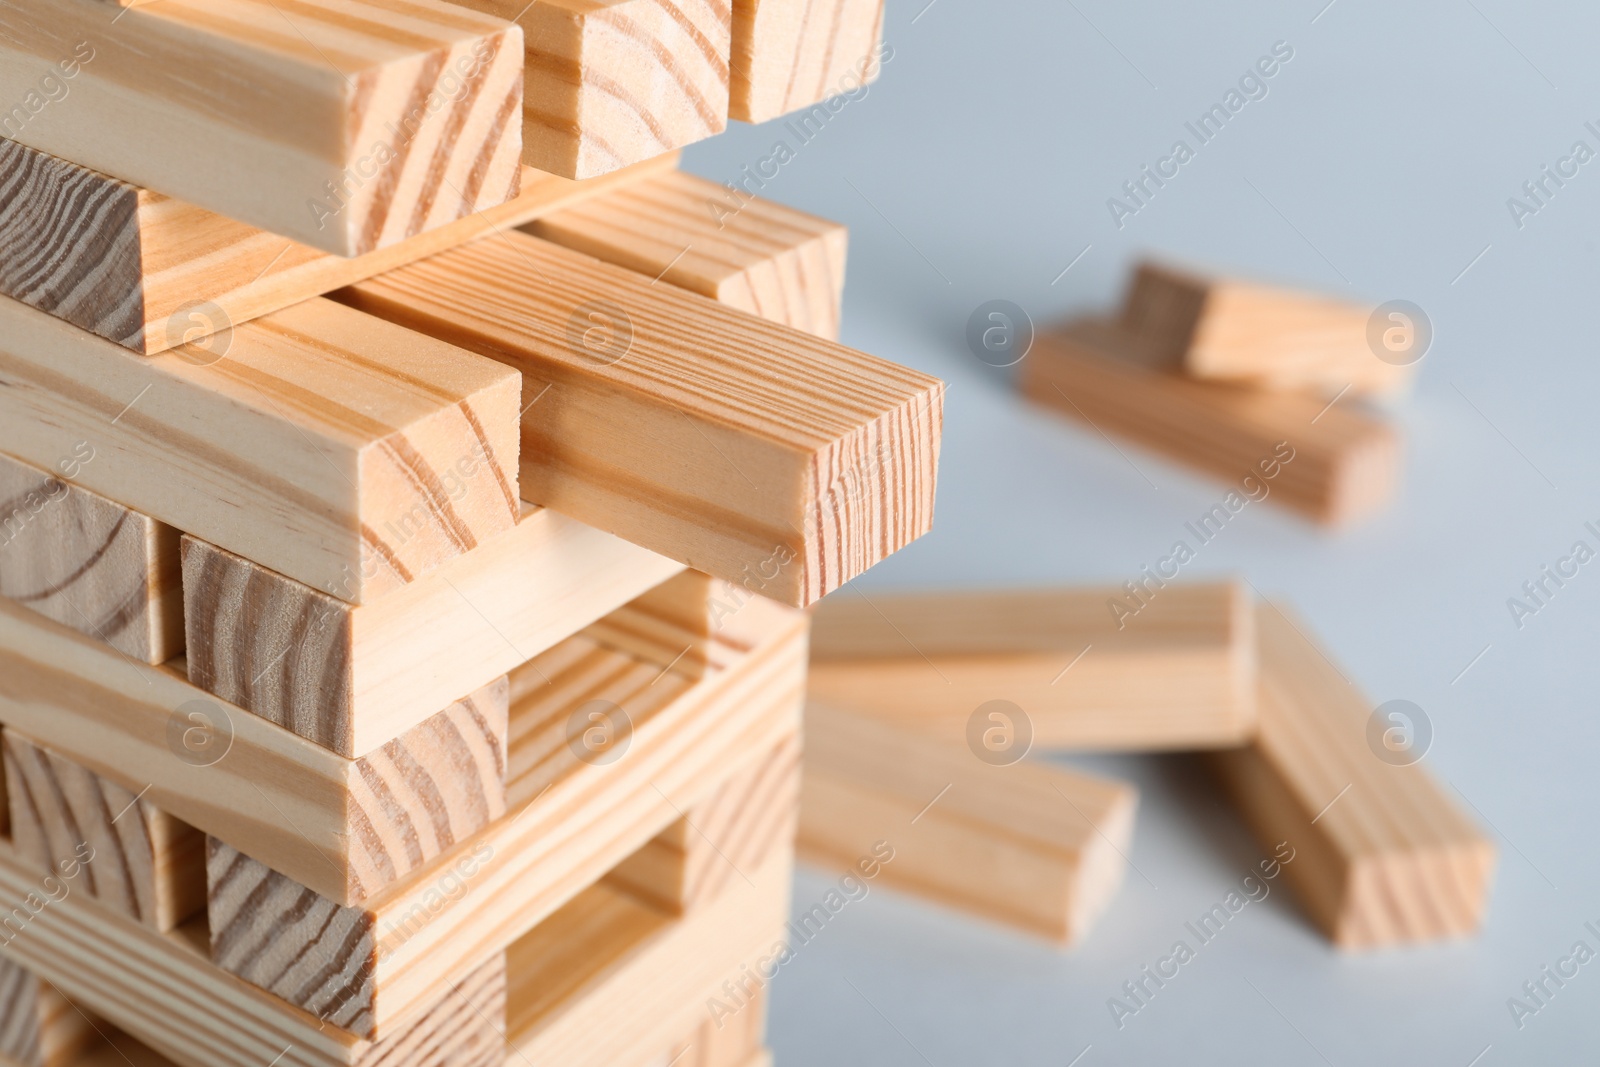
(38, 1026)
(792, 54)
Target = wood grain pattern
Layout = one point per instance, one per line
(347, 125)
(1172, 668)
(736, 446)
(1383, 855)
(1345, 461)
(290, 443)
(87, 562)
(150, 272)
(793, 54)
(38, 1027)
(760, 257)
(670, 624)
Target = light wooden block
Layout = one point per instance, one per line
(759, 256)
(792, 54)
(1344, 465)
(1169, 666)
(735, 1041)
(347, 125)
(736, 446)
(1382, 854)
(670, 625)
(341, 451)
(87, 562)
(38, 1027)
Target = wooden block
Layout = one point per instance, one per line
(670, 625)
(150, 272)
(1344, 462)
(352, 677)
(1382, 854)
(1264, 336)
(791, 54)
(755, 255)
(611, 82)
(724, 1042)
(88, 563)
(136, 859)
(333, 448)
(347, 125)
(1028, 844)
(1163, 666)
(736, 446)
(38, 1027)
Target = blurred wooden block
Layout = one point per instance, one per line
(38, 1026)
(336, 449)
(756, 453)
(791, 54)
(670, 625)
(755, 255)
(1027, 844)
(88, 563)
(1333, 462)
(1263, 336)
(349, 126)
(735, 1041)
(1382, 854)
(1172, 668)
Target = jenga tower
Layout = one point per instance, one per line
(402, 549)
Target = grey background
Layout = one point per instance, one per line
(1378, 167)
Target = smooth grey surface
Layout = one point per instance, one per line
(1379, 166)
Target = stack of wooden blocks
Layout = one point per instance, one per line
(401, 547)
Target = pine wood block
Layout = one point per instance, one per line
(735, 1041)
(150, 272)
(767, 259)
(1383, 854)
(734, 445)
(669, 624)
(1169, 666)
(1334, 463)
(1028, 844)
(347, 125)
(792, 54)
(353, 677)
(38, 1027)
(1263, 336)
(336, 449)
(87, 562)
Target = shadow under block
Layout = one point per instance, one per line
(38, 1027)
(346, 125)
(1263, 336)
(352, 677)
(748, 253)
(88, 563)
(1179, 674)
(334, 448)
(1383, 854)
(150, 272)
(131, 856)
(1029, 844)
(791, 54)
(739, 447)
(1332, 462)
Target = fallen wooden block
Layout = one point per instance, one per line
(347, 126)
(150, 272)
(88, 563)
(1264, 336)
(791, 54)
(300, 450)
(755, 255)
(1029, 845)
(1158, 666)
(1327, 460)
(38, 1027)
(1382, 855)
(755, 453)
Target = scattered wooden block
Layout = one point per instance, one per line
(1166, 666)
(670, 625)
(301, 449)
(347, 127)
(1028, 844)
(755, 453)
(1264, 336)
(752, 254)
(38, 1027)
(88, 563)
(1382, 855)
(150, 272)
(1329, 461)
(791, 54)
